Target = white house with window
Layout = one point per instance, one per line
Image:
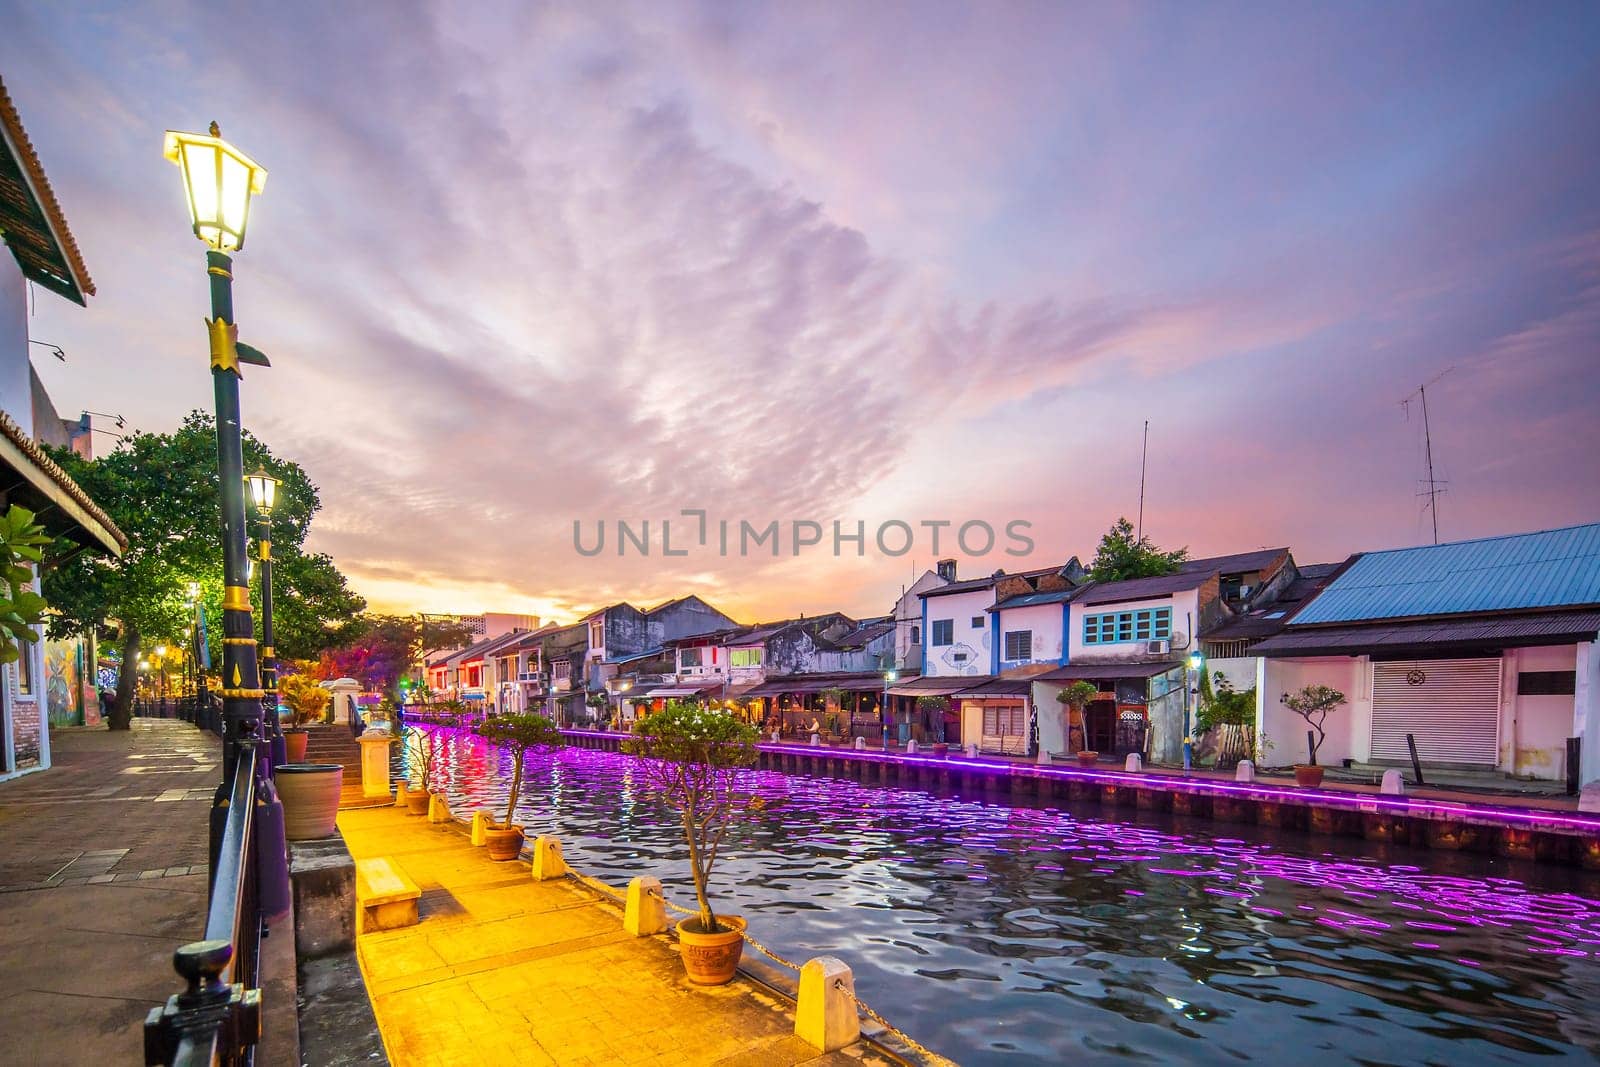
(958, 630)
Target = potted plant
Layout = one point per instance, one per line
(1313, 704)
(1231, 714)
(518, 735)
(691, 757)
(1076, 697)
(307, 701)
(424, 748)
(937, 706)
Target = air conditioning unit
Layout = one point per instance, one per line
(1245, 591)
(530, 676)
(1157, 648)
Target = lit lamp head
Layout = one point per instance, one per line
(161, 652)
(263, 490)
(219, 181)
(1196, 660)
(891, 676)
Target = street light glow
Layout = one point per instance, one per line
(263, 490)
(219, 181)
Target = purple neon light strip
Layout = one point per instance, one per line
(1363, 803)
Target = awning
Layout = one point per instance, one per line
(1434, 636)
(1072, 672)
(802, 684)
(933, 687)
(59, 504)
(681, 691)
(998, 689)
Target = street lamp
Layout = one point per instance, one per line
(889, 678)
(219, 181)
(264, 494)
(1191, 691)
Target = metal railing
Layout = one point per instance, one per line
(217, 1019)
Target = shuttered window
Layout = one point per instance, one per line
(1002, 719)
(1451, 707)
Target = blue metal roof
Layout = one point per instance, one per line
(1546, 569)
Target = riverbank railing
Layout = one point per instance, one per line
(217, 1018)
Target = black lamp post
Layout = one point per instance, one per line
(889, 677)
(264, 493)
(219, 181)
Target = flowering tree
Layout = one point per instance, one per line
(691, 756)
(519, 735)
(307, 700)
(427, 744)
(1313, 703)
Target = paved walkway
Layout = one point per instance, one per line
(503, 969)
(102, 876)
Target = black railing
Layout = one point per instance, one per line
(217, 1019)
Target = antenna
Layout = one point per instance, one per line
(1143, 455)
(1432, 486)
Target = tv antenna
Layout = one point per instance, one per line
(1431, 486)
(1144, 454)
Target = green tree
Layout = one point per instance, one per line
(162, 490)
(1122, 556)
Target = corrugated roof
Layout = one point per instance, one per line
(1546, 569)
(932, 686)
(1026, 600)
(998, 688)
(1544, 628)
(965, 586)
(1108, 669)
(1237, 563)
(1142, 588)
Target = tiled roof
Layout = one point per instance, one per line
(965, 586)
(1142, 588)
(1025, 600)
(31, 221)
(1237, 563)
(1108, 669)
(1545, 569)
(45, 470)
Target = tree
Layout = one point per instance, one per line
(307, 700)
(1121, 556)
(519, 735)
(379, 650)
(22, 544)
(1313, 704)
(691, 757)
(1076, 697)
(162, 490)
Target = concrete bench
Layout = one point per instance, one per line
(385, 898)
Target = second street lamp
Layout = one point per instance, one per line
(219, 181)
(264, 493)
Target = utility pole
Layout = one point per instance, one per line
(1144, 455)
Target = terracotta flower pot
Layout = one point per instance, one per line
(294, 743)
(503, 844)
(1088, 759)
(417, 801)
(711, 959)
(1307, 775)
(310, 796)
(940, 750)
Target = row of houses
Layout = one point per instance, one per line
(1484, 652)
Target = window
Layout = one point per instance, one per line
(944, 631)
(1000, 720)
(688, 657)
(1539, 683)
(1148, 624)
(25, 670)
(1019, 645)
(916, 635)
(561, 670)
(958, 657)
(597, 634)
(745, 657)
(977, 622)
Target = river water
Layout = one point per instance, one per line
(994, 933)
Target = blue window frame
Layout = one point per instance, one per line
(942, 632)
(1113, 627)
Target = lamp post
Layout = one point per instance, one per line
(1196, 661)
(889, 677)
(264, 494)
(219, 181)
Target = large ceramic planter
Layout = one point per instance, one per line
(503, 844)
(310, 796)
(711, 959)
(1307, 775)
(294, 743)
(1088, 759)
(417, 801)
(940, 750)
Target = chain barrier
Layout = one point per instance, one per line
(927, 1055)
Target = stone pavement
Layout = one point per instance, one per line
(503, 969)
(102, 876)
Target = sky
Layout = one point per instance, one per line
(521, 266)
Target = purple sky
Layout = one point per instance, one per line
(518, 265)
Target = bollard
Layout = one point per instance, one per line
(400, 793)
(375, 763)
(816, 739)
(1393, 784)
(911, 747)
(547, 861)
(1589, 797)
(972, 750)
(1134, 764)
(1245, 772)
(438, 808)
(825, 1013)
(481, 822)
(646, 910)
(1044, 756)
(861, 744)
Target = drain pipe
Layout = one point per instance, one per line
(1416, 764)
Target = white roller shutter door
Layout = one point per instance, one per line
(1451, 707)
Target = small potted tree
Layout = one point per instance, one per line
(691, 757)
(518, 735)
(936, 706)
(1076, 697)
(425, 748)
(307, 701)
(1313, 704)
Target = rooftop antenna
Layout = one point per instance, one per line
(1432, 486)
(1143, 455)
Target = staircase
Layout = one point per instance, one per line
(336, 744)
